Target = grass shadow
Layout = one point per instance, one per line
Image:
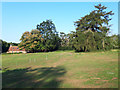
(45, 77)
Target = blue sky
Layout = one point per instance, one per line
(18, 17)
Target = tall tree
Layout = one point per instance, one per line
(95, 22)
(44, 38)
(50, 36)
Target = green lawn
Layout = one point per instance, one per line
(61, 69)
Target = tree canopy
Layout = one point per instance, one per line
(44, 38)
(91, 34)
(92, 29)
(5, 46)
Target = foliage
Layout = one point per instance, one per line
(50, 36)
(92, 29)
(13, 44)
(91, 34)
(5, 46)
(65, 42)
(115, 41)
(44, 38)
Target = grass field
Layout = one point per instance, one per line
(61, 69)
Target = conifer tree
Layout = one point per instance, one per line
(95, 23)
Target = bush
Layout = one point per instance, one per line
(65, 48)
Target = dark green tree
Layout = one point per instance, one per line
(5, 46)
(51, 40)
(91, 28)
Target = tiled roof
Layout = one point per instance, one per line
(15, 48)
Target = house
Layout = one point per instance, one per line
(15, 49)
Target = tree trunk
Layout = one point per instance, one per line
(103, 44)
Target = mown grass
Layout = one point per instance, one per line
(61, 69)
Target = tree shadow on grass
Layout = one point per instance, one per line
(46, 77)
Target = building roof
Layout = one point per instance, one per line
(15, 48)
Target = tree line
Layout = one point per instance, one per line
(91, 34)
(4, 46)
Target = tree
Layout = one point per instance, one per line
(95, 23)
(13, 44)
(114, 40)
(66, 41)
(51, 40)
(5, 46)
(71, 37)
(44, 38)
(30, 41)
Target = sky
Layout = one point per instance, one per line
(18, 17)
